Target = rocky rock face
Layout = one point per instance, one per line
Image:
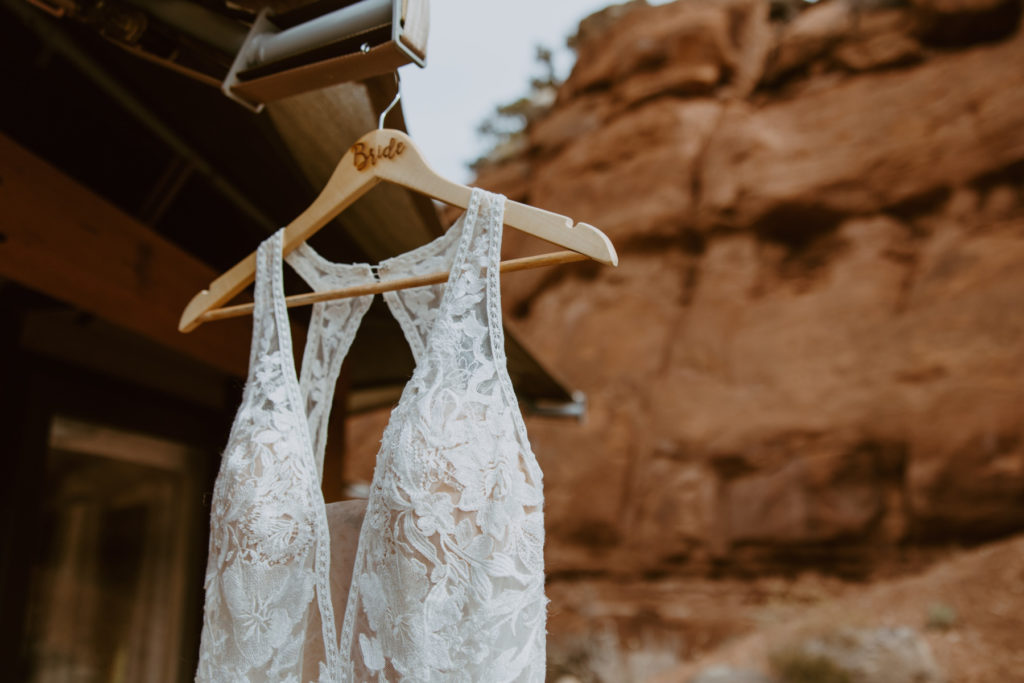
(812, 353)
(884, 655)
(813, 349)
(721, 674)
(843, 655)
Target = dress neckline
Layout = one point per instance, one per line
(402, 264)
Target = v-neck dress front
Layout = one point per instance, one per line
(448, 579)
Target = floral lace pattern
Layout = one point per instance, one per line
(267, 579)
(448, 583)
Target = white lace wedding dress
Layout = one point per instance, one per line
(448, 579)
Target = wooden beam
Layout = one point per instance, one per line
(94, 344)
(59, 238)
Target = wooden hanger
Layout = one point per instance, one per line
(387, 154)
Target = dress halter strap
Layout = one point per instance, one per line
(268, 274)
(332, 327)
(468, 251)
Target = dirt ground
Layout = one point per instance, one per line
(968, 604)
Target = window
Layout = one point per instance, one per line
(110, 585)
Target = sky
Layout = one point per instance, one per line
(481, 53)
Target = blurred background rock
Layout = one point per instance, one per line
(806, 378)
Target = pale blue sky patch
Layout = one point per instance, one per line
(481, 54)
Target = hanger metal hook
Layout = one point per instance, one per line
(398, 96)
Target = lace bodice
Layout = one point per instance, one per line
(448, 581)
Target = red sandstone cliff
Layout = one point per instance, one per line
(814, 347)
(812, 354)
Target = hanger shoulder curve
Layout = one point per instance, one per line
(557, 229)
(411, 171)
(224, 288)
(343, 188)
